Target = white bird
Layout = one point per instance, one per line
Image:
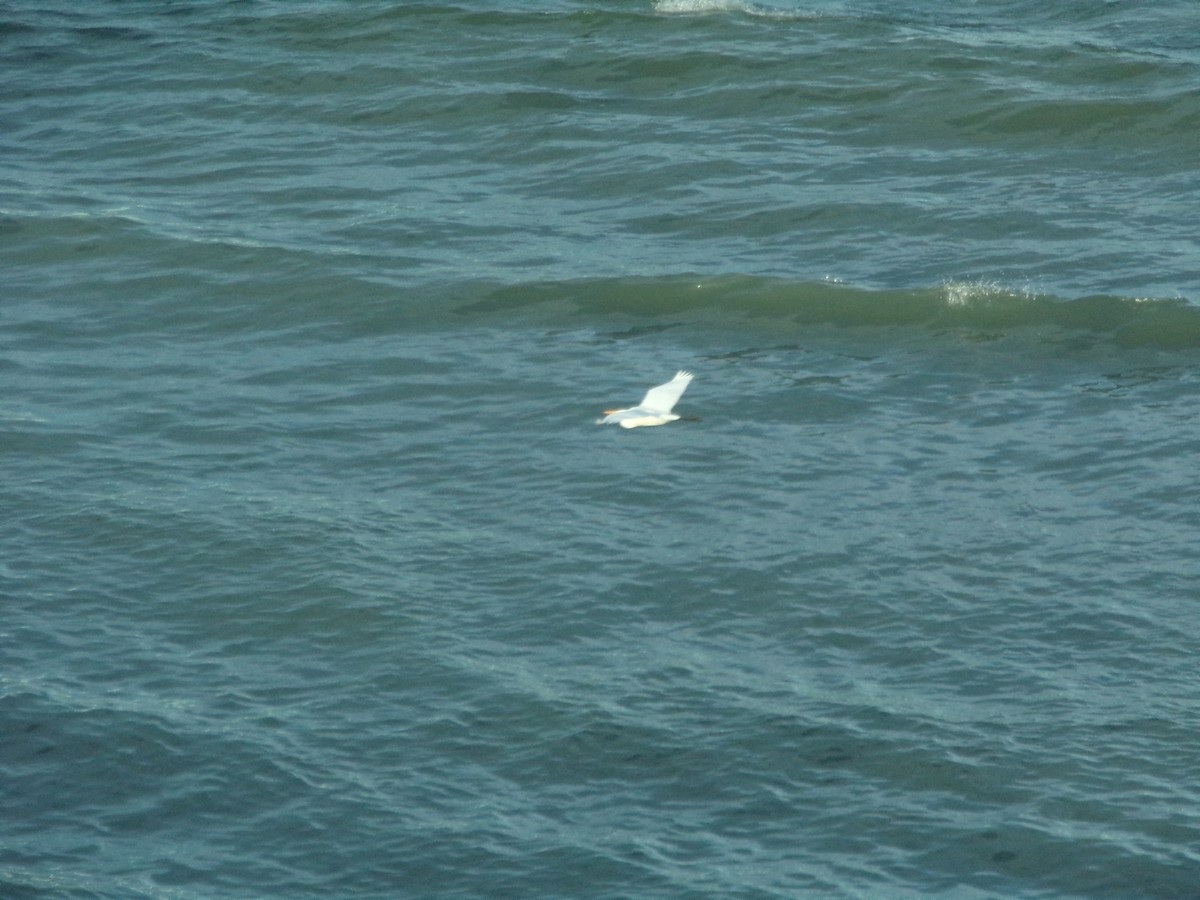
(655, 408)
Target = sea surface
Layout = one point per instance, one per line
(319, 580)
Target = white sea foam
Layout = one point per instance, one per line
(965, 293)
(700, 7)
(709, 7)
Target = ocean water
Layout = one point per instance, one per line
(318, 579)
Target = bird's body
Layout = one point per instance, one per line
(655, 408)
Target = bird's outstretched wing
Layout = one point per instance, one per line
(662, 398)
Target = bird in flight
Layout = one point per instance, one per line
(655, 408)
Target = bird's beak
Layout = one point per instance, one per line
(609, 412)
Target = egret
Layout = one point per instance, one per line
(655, 408)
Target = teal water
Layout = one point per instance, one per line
(319, 580)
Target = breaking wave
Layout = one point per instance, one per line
(710, 7)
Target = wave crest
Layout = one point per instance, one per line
(786, 306)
